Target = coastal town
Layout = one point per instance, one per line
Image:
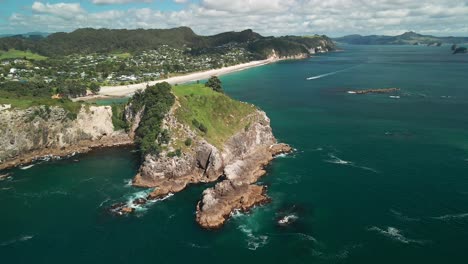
(120, 68)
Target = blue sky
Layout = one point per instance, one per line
(268, 17)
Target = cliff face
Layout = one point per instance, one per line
(240, 159)
(40, 131)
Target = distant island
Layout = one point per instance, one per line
(408, 38)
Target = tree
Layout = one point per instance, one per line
(95, 88)
(215, 84)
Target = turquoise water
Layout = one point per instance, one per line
(374, 179)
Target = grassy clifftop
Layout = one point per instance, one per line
(220, 115)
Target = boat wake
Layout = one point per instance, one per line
(329, 74)
(17, 240)
(451, 217)
(335, 160)
(402, 217)
(395, 234)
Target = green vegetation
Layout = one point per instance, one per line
(220, 115)
(188, 142)
(215, 84)
(122, 41)
(157, 100)
(25, 95)
(18, 54)
(123, 55)
(118, 117)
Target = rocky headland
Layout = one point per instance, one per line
(237, 161)
(209, 137)
(42, 132)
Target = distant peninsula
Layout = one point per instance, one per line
(408, 38)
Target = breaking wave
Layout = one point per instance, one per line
(395, 234)
(253, 241)
(128, 182)
(451, 216)
(27, 167)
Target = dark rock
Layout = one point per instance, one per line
(140, 201)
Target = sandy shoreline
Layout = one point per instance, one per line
(126, 90)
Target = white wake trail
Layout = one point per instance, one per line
(328, 74)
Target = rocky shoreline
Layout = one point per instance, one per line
(81, 147)
(240, 162)
(238, 191)
(39, 133)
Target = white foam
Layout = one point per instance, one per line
(335, 160)
(395, 234)
(451, 216)
(403, 217)
(394, 96)
(253, 242)
(236, 213)
(328, 74)
(103, 202)
(288, 219)
(16, 240)
(128, 182)
(27, 167)
(193, 245)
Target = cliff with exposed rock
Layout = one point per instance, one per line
(239, 159)
(42, 131)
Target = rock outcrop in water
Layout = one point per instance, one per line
(378, 91)
(240, 160)
(38, 132)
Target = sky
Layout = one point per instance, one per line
(267, 17)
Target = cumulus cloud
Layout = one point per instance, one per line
(112, 2)
(58, 9)
(268, 17)
(249, 6)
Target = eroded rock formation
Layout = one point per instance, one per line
(36, 132)
(241, 160)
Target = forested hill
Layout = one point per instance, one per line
(88, 40)
(408, 38)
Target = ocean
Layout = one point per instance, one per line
(374, 178)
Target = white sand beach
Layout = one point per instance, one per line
(126, 90)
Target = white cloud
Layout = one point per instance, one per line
(268, 17)
(59, 9)
(249, 6)
(112, 2)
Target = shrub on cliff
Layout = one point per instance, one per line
(157, 100)
(118, 118)
(215, 84)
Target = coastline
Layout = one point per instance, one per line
(127, 90)
(82, 147)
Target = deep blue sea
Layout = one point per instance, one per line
(375, 179)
